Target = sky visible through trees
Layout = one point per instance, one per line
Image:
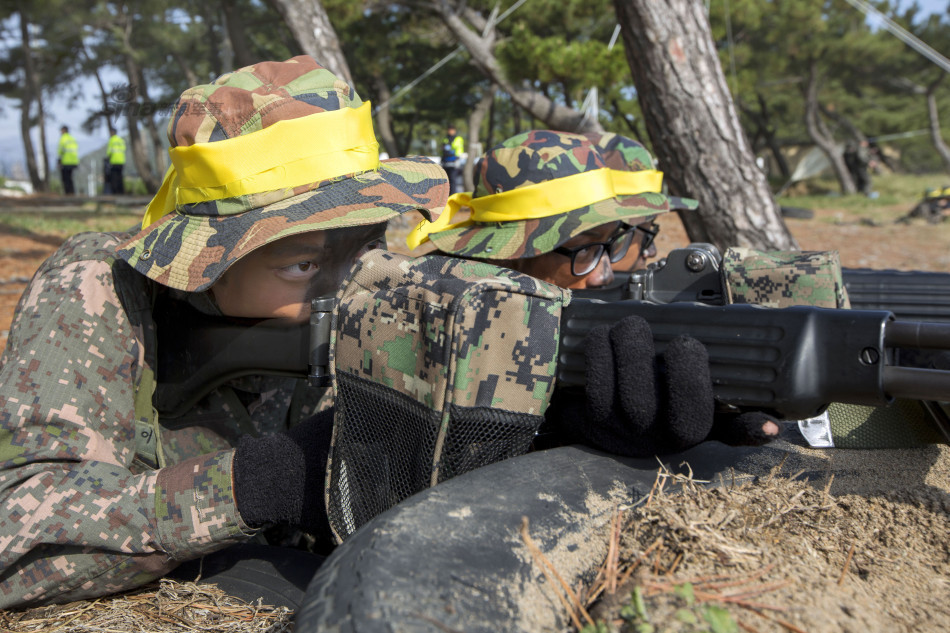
(72, 111)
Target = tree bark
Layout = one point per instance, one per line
(30, 94)
(311, 28)
(384, 120)
(41, 124)
(475, 118)
(136, 142)
(185, 68)
(220, 54)
(763, 124)
(552, 115)
(933, 116)
(820, 133)
(134, 108)
(234, 27)
(693, 126)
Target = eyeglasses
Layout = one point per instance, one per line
(650, 232)
(585, 258)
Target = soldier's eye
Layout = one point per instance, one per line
(300, 270)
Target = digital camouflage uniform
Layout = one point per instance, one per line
(98, 494)
(85, 509)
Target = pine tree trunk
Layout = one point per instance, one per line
(235, 28)
(136, 143)
(552, 115)
(933, 116)
(44, 156)
(134, 108)
(475, 118)
(693, 126)
(311, 28)
(820, 134)
(384, 121)
(29, 96)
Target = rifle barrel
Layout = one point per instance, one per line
(916, 383)
(917, 335)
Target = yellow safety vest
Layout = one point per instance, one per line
(68, 150)
(115, 150)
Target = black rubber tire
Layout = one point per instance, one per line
(451, 558)
(797, 212)
(278, 576)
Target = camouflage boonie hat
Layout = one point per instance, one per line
(542, 156)
(239, 181)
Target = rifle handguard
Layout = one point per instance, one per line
(791, 362)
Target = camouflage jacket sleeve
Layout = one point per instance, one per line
(76, 518)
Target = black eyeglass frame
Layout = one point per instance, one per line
(606, 247)
(649, 235)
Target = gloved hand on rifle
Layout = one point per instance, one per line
(278, 478)
(639, 405)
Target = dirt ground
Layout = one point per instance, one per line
(859, 542)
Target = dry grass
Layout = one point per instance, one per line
(168, 607)
(776, 554)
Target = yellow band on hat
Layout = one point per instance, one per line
(552, 197)
(284, 155)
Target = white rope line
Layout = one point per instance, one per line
(903, 35)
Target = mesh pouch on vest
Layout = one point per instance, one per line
(780, 279)
(440, 366)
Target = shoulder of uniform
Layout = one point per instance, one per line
(87, 247)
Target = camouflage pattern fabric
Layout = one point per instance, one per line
(440, 365)
(82, 514)
(540, 156)
(778, 279)
(191, 247)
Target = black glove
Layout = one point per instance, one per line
(278, 479)
(639, 405)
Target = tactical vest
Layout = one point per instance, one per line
(440, 366)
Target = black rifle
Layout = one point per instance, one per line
(791, 362)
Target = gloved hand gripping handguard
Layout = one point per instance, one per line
(639, 404)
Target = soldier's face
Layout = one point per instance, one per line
(636, 258)
(279, 280)
(555, 268)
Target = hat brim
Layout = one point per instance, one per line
(191, 252)
(530, 238)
